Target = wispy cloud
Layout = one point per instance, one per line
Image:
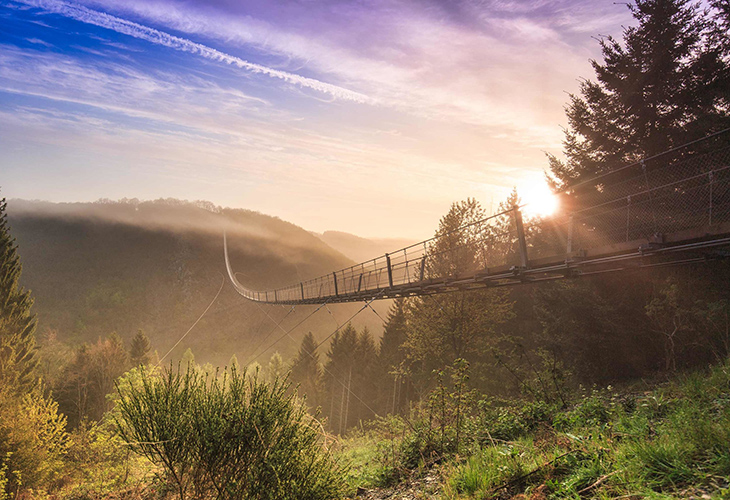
(104, 20)
(468, 94)
(495, 64)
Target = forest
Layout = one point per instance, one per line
(609, 386)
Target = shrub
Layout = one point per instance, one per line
(227, 437)
(33, 440)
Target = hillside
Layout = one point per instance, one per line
(95, 268)
(650, 439)
(361, 249)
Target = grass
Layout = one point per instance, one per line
(670, 442)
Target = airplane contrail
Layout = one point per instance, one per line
(104, 20)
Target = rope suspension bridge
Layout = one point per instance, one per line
(670, 209)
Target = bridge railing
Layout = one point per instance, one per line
(490, 242)
(651, 200)
(671, 193)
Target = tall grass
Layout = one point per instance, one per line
(672, 442)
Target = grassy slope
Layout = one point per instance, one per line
(670, 442)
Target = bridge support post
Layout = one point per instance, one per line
(521, 238)
(711, 179)
(334, 275)
(569, 248)
(390, 270)
(301, 287)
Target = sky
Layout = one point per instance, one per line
(369, 117)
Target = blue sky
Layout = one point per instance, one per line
(367, 116)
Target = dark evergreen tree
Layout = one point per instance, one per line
(339, 369)
(391, 353)
(720, 44)
(394, 390)
(17, 324)
(658, 89)
(139, 349)
(306, 370)
(365, 382)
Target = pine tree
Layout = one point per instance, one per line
(391, 357)
(139, 350)
(306, 370)
(17, 324)
(276, 369)
(365, 379)
(391, 353)
(341, 355)
(459, 324)
(233, 363)
(188, 359)
(653, 92)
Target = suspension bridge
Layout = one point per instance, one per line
(670, 209)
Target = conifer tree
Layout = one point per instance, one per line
(17, 324)
(233, 363)
(340, 366)
(188, 359)
(365, 379)
(276, 369)
(658, 89)
(306, 370)
(459, 324)
(391, 353)
(391, 358)
(139, 350)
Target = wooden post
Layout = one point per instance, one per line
(336, 291)
(521, 238)
(390, 270)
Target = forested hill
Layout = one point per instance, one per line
(96, 268)
(361, 249)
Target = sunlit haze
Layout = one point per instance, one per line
(538, 199)
(364, 117)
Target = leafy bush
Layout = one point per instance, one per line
(33, 440)
(229, 437)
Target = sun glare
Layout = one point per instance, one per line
(538, 199)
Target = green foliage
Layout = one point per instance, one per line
(33, 439)
(98, 462)
(672, 442)
(458, 325)
(17, 324)
(139, 349)
(86, 381)
(231, 436)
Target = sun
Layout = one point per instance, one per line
(539, 201)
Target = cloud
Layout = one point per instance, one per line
(101, 19)
(487, 63)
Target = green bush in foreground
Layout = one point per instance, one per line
(228, 437)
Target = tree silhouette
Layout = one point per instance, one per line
(17, 324)
(660, 88)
